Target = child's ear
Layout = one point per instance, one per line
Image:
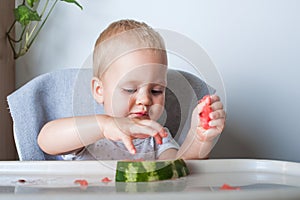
(97, 90)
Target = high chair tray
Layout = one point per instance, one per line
(209, 179)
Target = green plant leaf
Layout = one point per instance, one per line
(25, 15)
(73, 1)
(31, 2)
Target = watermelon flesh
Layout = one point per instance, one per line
(145, 171)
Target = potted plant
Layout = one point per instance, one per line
(30, 17)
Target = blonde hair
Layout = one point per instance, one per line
(122, 37)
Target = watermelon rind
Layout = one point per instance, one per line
(146, 171)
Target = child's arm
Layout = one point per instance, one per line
(199, 141)
(68, 134)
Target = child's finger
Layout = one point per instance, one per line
(214, 98)
(217, 105)
(140, 135)
(129, 145)
(200, 106)
(217, 123)
(213, 133)
(152, 128)
(153, 124)
(207, 135)
(163, 133)
(138, 129)
(158, 138)
(217, 114)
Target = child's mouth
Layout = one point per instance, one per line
(139, 115)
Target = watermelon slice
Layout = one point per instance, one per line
(144, 171)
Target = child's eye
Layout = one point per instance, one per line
(157, 92)
(129, 90)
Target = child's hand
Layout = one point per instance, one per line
(127, 129)
(216, 121)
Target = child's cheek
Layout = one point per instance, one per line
(121, 105)
(156, 111)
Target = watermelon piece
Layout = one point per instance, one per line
(204, 115)
(145, 171)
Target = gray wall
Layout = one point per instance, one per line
(253, 43)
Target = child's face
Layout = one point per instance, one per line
(134, 85)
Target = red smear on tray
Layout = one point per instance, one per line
(83, 183)
(106, 180)
(228, 187)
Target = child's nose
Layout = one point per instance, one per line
(144, 97)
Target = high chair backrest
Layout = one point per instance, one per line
(67, 93)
